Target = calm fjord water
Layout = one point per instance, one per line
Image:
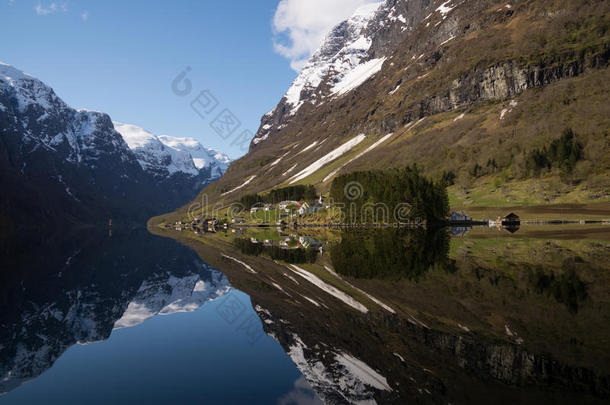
(132, 318)
(385, 315)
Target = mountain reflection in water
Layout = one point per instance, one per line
(341, 316)
(429, 316)
(87, 287)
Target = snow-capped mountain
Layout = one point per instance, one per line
(203, 157)
(164, 156)
(46, 122)
(59, 163)
(153, 155)
(351, 53)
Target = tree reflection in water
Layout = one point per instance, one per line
(391, 253)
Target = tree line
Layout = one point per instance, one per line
(405, 194)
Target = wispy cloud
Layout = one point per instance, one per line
(300, 26)
(50, 9)
(84, 15)
(42, 10)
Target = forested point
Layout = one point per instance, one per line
(407, 194)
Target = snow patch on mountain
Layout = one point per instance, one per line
(244, 184)
(340, 295)
(48, 122)
(318, 164)
(358, 75)
(337, 377)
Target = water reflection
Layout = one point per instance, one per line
(67, 291)
(437, 316)
(384, 315)
(391, 253)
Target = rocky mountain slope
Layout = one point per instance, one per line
(469, 88)
(62, 164)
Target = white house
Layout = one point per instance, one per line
(284, 204)
(459, 216)
(304, 209)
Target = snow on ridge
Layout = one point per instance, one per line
(152, 154)
(202, 157)
(28, 90)
(11, 73)
(174, 295)
(325, 59)
(318, 164)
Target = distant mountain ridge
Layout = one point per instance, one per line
(60, 164)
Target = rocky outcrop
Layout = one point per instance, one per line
(508, 79)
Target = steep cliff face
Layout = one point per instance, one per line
(441, 84)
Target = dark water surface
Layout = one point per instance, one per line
(264, 316)
(132, 318)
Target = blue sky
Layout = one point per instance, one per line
(120, 57)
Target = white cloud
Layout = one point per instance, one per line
(300, 26)
(84, 16)
(41, 10)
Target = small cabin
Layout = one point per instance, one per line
(511, 219)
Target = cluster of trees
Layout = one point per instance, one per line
(405, 194)
(562, 153)
(391, 253)
(296, 193)
(296, 256)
